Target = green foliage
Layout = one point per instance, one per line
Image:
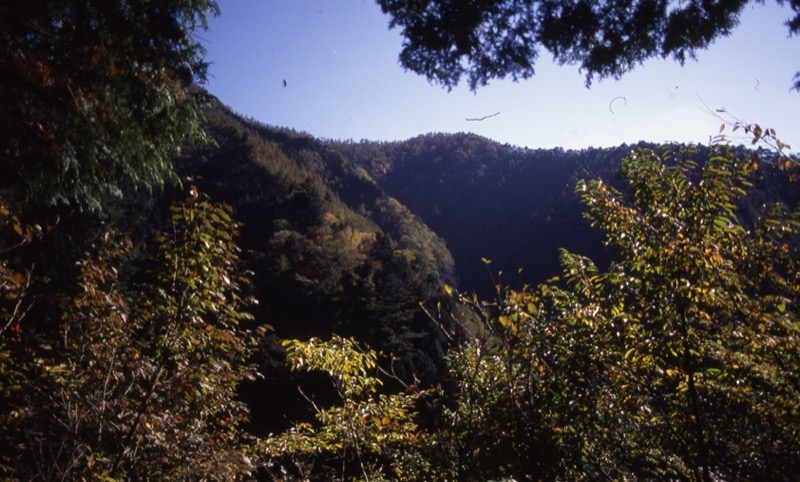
(704, 307)
(141, 381)
(95, 96)
(520, 388)
(678, 362)
(368, 435)
(447, 40)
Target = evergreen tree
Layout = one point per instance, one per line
(447, 40)
(96, 96)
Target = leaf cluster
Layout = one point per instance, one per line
(367, 435)
(141, 381)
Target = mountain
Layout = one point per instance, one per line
(326, 243)
(515, 207)
(492, 202)
(349, 238)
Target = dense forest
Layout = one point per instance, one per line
(187, 294)
(346, 243)
(513, 206)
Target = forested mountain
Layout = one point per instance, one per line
(330, 251)
(349, 237)
(316, 228)
(347, 246)
(133, 345)
(513, 206)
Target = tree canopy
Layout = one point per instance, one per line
(448, 40)
(677, 362)
(94, 95)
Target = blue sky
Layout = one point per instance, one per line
(343, 81)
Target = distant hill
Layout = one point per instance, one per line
(513, 206)
(492, 201)
(338, 231)
(331, 251)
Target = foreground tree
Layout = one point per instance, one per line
(680, 362)
(365, 436)
(706, 308)
(447, 40)
(94, 95)
(140, 383)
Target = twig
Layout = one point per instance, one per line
(478, 119)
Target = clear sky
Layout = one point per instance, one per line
(343, 81)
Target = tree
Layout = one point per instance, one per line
(705, 308)
(679, 362)
(523, 391)
(447, 40)
(140, 381)
(96, 96)
(15, 302)
(368, 436)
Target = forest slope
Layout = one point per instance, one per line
(513, 206)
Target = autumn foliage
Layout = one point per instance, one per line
(140, 380)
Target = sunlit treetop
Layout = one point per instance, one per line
(479, 40)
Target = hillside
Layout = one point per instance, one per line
(513, 206)
(330, 251)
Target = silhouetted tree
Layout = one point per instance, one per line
(447, 40)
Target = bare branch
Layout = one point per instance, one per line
(478, 119)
